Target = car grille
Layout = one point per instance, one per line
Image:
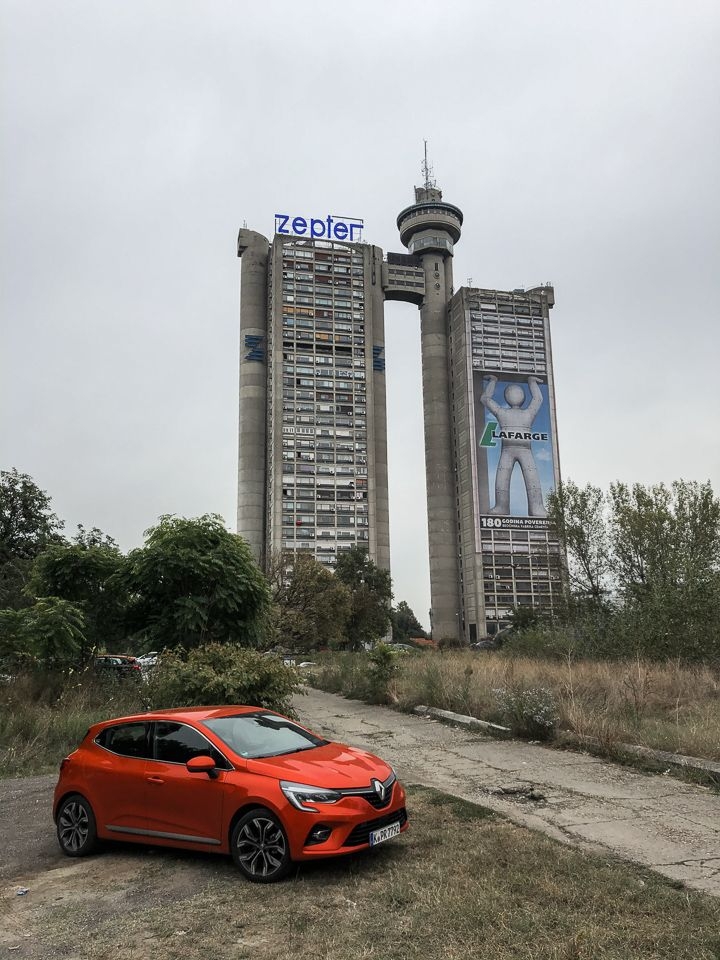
(367, 793)
(361, 833)
(374, 800)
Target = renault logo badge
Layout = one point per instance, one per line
(379, 789)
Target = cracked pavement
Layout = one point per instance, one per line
(660, 822)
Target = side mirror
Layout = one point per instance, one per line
(202, 764)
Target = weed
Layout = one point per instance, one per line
(530, 712)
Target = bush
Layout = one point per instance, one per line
(382, 667)
(358, 676)
(546, 642)
(530, 713)
(222, 673)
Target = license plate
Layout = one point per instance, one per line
(385, 833)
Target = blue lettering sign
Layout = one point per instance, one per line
(330, 228)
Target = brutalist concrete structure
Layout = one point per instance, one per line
(313, 433)
(502, 398)
(430, 229)
(313, 425)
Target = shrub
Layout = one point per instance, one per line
(530, 712)
(222, 673)
(544, 641)
(382, 667)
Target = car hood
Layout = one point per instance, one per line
(333, 765)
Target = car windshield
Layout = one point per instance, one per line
(256, 735)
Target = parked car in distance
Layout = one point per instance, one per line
(116, 666)
(148, 660)
(493, 642)
(237, 780)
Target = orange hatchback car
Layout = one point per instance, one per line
(236, 780)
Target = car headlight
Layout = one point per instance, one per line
(302, 796)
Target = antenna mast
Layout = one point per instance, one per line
(427, 171)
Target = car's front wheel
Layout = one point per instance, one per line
(259, 846)
(76, 829)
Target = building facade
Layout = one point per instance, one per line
(502, 399)
(313, 447)
(313, 433)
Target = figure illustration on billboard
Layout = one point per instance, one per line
(516, 439)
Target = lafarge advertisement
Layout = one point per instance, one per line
(514, 450)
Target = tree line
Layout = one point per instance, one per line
(192, 583)
(643, 570)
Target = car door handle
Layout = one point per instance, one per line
(154, 779)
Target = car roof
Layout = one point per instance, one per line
(186, 713)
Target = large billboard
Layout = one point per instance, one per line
(513, 450)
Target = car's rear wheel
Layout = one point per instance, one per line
(259, 846)
(76, 828)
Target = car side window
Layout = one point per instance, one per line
(178, 743)
(127, 739)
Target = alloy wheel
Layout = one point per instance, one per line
(73, 826)
(261, 847)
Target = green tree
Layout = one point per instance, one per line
(666, 553)
(405, 625)
(311, 607)
(86, 572)
(664, 538)
(371, 594)
(579, 517)
(94, 537)
(27, 527)
(195, 583)
(50, 634)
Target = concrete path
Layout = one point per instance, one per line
(657, 821)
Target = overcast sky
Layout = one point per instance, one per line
(581, 141)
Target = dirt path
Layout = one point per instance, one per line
(657, 821)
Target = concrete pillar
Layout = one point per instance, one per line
(439, 458)
(253, 249)
(429, 229)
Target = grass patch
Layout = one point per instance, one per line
(456, 886)
(43, 718)
(666, 706)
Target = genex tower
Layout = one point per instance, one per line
(429, 229)
(313, 430)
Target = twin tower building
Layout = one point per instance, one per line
(313, 470)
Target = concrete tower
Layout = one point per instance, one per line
(429, 229)
(253, 248)
(313, 436)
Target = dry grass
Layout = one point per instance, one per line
(667, 706)
(43, 718)
(460, 884)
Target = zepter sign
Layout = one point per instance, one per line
(319, 228)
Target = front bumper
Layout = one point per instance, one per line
(350, 821)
